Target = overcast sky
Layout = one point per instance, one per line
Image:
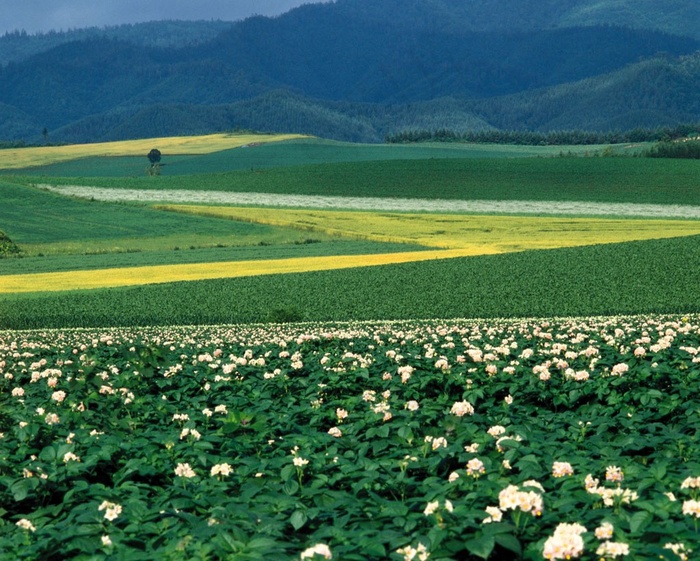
(44, 15)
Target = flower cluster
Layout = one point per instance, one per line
(610, 550)
(614, 496)
(419, 553)
(475, 467)
(185, 470)
(562, 469)
(320, 549)
(526, 498)
(112, 510)
(565, 543)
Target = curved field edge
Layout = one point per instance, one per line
(42, 222)
(451, 235)
(657, 276)
(480, 233)
(307, 246)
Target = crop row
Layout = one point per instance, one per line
(534, 439)
(39, 221)
(310, 245)
(483, 233)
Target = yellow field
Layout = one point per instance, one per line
(15, 158)
(481, 234)
(451, 235)
(130, 276)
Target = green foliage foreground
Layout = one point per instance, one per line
(457, 440)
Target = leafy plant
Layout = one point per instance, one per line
(457, 439)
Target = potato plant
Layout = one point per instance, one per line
(492, 439)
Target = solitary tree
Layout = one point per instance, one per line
(154, 157)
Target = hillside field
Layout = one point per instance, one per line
(73, 242)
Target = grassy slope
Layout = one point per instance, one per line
(18, 158)
(634, 277)
(290, 153)
(483, 233)
(638, 180)
(42, 222)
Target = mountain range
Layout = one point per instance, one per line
(361, 69)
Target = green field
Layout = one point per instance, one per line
(49, 224)
(658, 276)
(58, 233)
(296, 153)
(309, 246)
(638, 180)
(466, 440)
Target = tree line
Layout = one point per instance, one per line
(663, 135)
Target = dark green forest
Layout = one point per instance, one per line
(19, 45)
(361, 71)
(664, 136)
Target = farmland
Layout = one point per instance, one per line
(146, 344)
(70, 239)
(460, 439)
(18, 158)
(625, 180)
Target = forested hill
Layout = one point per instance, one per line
(361, 69)
(678, 17)
(19, 45)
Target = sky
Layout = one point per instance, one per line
(44, 15)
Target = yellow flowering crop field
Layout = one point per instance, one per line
(451, 235)
(131, 276)
(17, 158)
(480, 234)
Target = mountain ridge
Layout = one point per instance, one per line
(357, 69)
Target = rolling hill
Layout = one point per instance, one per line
(359, 70)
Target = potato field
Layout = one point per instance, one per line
(456, 439)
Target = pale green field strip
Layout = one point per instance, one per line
(578, 208)
(17, 158)
(480, 234)
(131, 276)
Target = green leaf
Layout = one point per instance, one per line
(291, 487)
(639, 521)
(298, 519)
(288, 472)
(373, 550)
(20, 489)
(509, 542)
(481, 547)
